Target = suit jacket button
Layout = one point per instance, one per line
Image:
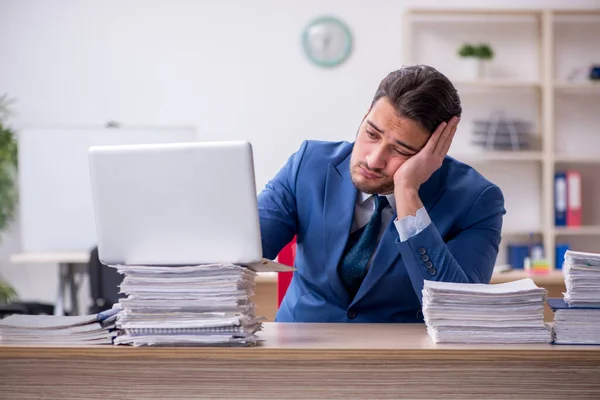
(432, 271)
(429, 264)
(422, 250)
(425, 257)
(351, 314)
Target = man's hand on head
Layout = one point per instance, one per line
(419, 168)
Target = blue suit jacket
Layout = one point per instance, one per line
(313, 197)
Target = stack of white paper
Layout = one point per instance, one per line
(60, 330)
(577, 315)
(188, 305)
(575, 325)
(582, 279)
(478, 313)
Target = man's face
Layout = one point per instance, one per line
(383, 143)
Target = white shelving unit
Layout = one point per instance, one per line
(575, 159)
(536, 51)
(577, 87)
(493, 156)
(577, 231)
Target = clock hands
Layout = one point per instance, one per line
(326, 42)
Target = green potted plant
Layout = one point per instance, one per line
(474, 57)
(8, 184)
(466, 50)
(484, 52)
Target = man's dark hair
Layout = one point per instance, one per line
(421, 93)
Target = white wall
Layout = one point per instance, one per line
(232, 68)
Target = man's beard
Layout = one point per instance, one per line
(384, 186)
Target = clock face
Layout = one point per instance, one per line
(327, 41)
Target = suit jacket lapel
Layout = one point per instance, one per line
(338, 212)
(387, 251)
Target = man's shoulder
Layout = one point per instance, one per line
(463, 178)
(468, 193)
(320, 151)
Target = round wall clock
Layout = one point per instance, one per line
(327, 41)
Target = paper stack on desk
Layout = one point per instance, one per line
(60, 330)
(577, 315)
(582, 279)
(575, 325)
(188, 305)
(479, 313)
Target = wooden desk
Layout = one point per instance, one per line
(306, 361)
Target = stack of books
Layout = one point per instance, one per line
(206, 304)
(481, 313)
(577, 315)
(60, 330)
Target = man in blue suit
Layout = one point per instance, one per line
(375, 218)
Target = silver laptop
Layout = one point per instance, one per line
(176, 204)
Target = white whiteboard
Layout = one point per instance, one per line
(56, 210)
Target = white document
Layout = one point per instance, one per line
(510, 312)
(582, 279)
(519, 286)
(45, 321)
(577, 326)
(63, 330)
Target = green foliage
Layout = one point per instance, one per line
(8, 183)
(7, 293)
(482, 51)
(466, 50)
(8, 168)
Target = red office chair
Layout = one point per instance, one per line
(287, 257)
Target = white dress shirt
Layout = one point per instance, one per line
(407, 227)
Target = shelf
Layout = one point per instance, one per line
(515, 14)
(577, 16)
(520, 233)
(553, 277)
(560, 13)
(577, 87)
(496, 156)
(591, 230)
(530, 78)
(582, 159)
(497, 84)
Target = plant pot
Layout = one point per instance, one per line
(484, 69)
(471, 68)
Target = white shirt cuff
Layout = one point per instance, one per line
(411, 225)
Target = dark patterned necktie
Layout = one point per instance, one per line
(360, 246)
